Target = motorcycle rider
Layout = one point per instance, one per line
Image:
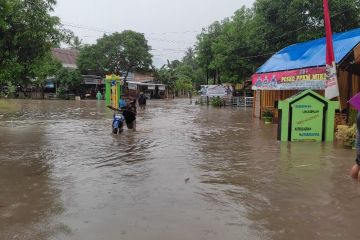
(129, 113)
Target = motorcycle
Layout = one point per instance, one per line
(122, 116)
(118, 123)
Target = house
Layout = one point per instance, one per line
(66, 56)
(302, 66)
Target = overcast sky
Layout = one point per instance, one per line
(169, 25)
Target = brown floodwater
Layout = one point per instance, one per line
(187, 173)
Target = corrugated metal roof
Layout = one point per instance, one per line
(311, 53)
(67, 57)
(146, 84)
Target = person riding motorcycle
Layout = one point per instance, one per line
(129, 113)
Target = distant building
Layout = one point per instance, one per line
(135, 82)
(144, 82)
(66, 56)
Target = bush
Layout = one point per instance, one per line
(60, 93)
(216, 102)
(8, 91)
(346, 134)
(267, 113)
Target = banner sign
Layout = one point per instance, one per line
(162, 88)
(332, 89)
(215, 90)
(132, 86)
(300, 79)
(92, 81)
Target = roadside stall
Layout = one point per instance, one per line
(150, 89)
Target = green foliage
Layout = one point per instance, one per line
(60, 92)
(76, 42)
(267, 113)
(68, 80)
(181, 75)
(216, 102)
(346, 134)
(120, 52)
(183, 85)
(231, 50)
(45, 67)
(8, 90)
(280, 23)
(28, 30)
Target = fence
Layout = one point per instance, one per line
(243, 101)
(230, 101)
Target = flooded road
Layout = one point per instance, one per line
(187, 173)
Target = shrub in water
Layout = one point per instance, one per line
(346, 134)
(216, 102)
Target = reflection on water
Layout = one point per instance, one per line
(27, 196)
(188, 172)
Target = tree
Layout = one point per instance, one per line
(69, 79)
(280, 23)
(92, 60)
(231, 50)
(189, 57)
(183, 85)
(27, 33)
(76, 42)
(167, 74)
(120, 52)
(45, 67)
(204, 49)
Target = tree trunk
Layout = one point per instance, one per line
(207, 76)
(216, 77)
(126, 75)
(219, 78)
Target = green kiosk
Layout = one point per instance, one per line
(307, 116)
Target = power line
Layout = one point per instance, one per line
(110, 32)
(73, 55)
(165, 54)
(181, 42)
(173, 50)
(164, 33)
(86, 28)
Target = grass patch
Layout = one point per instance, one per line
(8, 107)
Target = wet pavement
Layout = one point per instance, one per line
(188, 172)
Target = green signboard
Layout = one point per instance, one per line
(307, 116)
(307, 119)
